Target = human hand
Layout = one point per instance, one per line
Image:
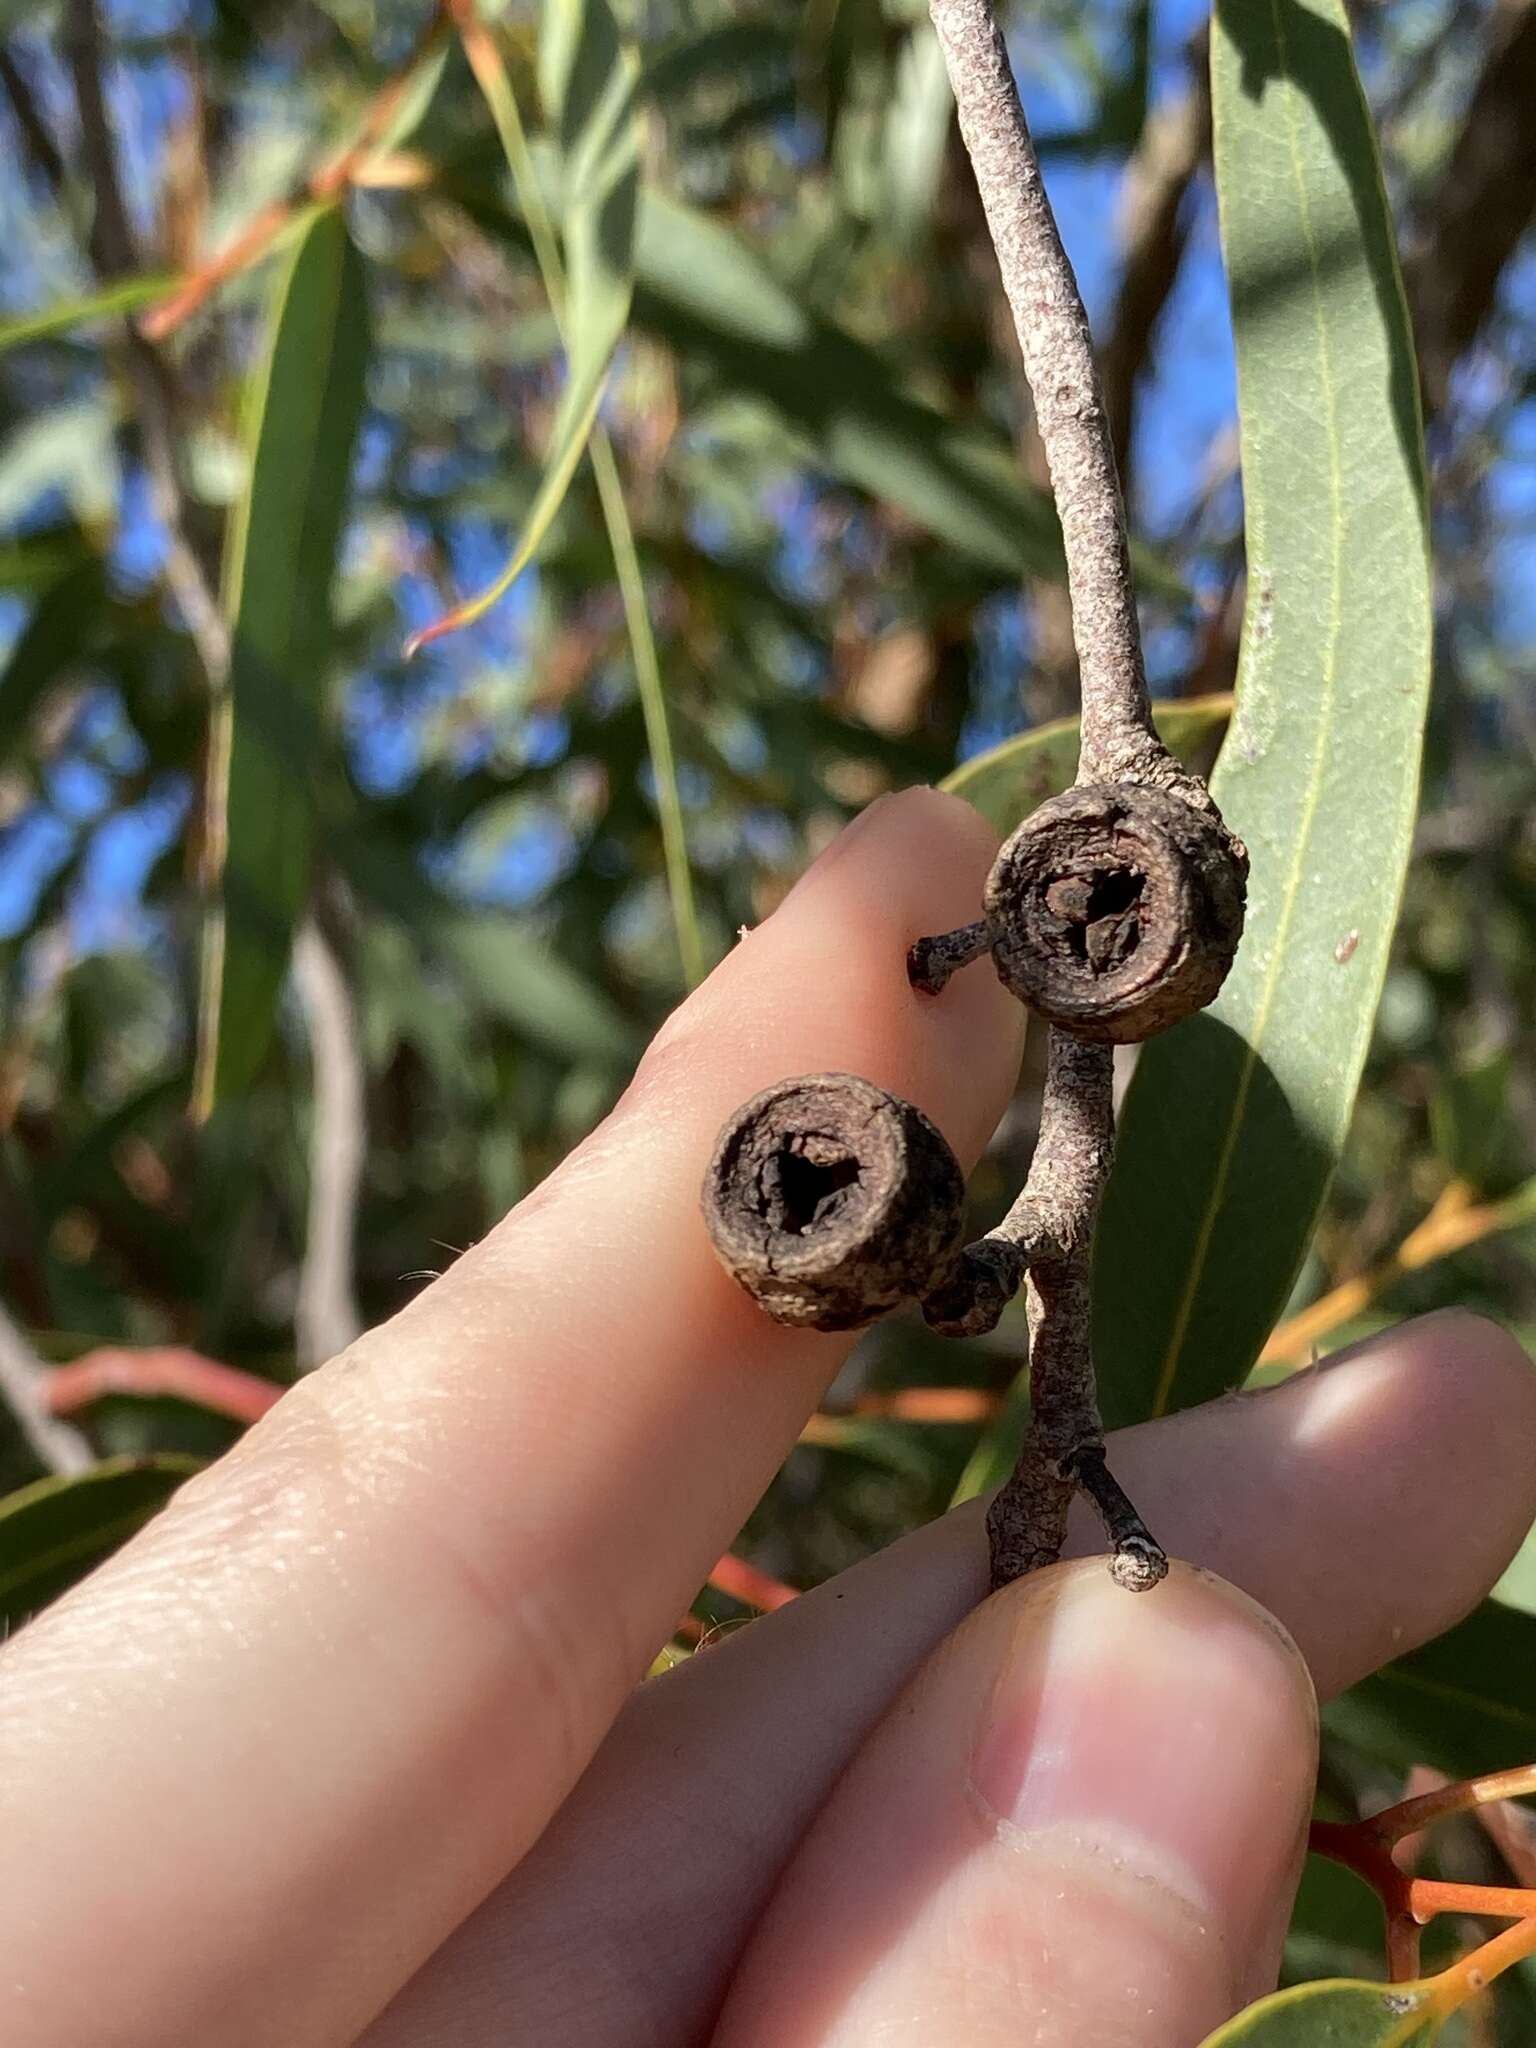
(258, 1774)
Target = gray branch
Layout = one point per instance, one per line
(1119, 743)
(326, 1318)
(1048, 1235)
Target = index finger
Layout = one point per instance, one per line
(343, 1682)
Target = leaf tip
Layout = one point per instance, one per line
(454, 621)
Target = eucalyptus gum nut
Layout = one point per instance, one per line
(832, 1201)
(1115, 910)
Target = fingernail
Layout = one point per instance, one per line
(1173, 1732)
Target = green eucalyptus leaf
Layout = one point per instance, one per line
(587, 78)
(1236, 1118)
(1469, 1119)
(1336, 2015)
(55, 1531)
(587, 75)
(1009, 781)
(279, 568)
(70, 448)
(126, 296)
(917, 124)
(701, 289)
(1335, 1928)
(705, 292)
(510, 974)
(1463, 1703)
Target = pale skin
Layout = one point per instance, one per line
(348, 1745)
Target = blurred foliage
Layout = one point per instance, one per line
(850, 573)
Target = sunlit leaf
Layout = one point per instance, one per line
(587, 77)
(587, 80)
(701, 289)
(917, 128)
(1236, 1118)
(998, 1447)
(56, 1530)
(69, 448)
(280, 564)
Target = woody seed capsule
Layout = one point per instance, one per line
(831, 1201)
(1115, 910)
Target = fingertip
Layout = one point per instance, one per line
(1479, 1363)
(928, 810)
(822, 985)
(1095, 1684)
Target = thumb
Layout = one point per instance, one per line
(1081, 1824)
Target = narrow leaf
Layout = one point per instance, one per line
(70, 448)
(54, 1532)
(916, 132)
(279, 567)
(1011, 780)
(573, 430)
(117, 299)
(998, 1447)
(587, 76)
(706, 293)
(702, 290)
(1336, 2015)
(533, 989)
(1236, 1118)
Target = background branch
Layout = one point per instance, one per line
(326, 1318)
(157, 393)
(56, 1446)
(1154, 230)
(1482, 206)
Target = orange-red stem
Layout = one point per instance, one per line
(326, 183)
(166, 1370)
